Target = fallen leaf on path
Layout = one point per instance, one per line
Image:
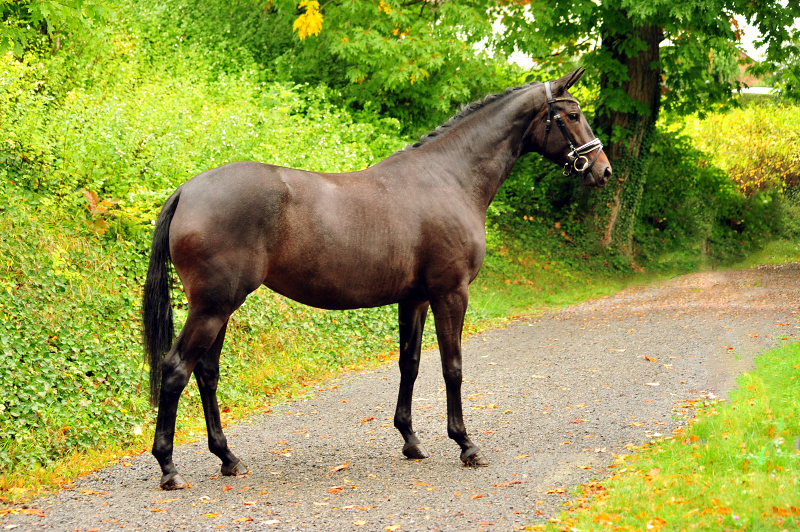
(368, 418)
(92, 492)
(227, 488)
(340, 467)
(420, 483)
(271, 522)
(477, 496)
(391, 528)
(565, 443)
(250, 503)
(335, 489)
(211, 515)
(359, 523)
(650, 359)
(158, 509)
(583, 467)
(243, 520)
(555, 490)
(651, 384)
(580, 421)
(637, 424)
(521, 456)
(509, 483)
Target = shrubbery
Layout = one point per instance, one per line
(95, 137)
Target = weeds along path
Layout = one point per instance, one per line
(549, 400)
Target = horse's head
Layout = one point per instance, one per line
(560, 132)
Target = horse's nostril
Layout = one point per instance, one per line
(607, 173)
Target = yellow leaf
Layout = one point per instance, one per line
(310, 22)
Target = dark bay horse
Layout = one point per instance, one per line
(409, 230)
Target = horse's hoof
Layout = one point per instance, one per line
(474, 458)
(415, 451)
(237, 469)
(174, 481)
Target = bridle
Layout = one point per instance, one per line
(577, 156)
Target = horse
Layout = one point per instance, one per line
(409, 230)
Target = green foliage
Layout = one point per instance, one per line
(412, 61)
(692, 213)
(22, 21)
(70, 375)
(758, 145)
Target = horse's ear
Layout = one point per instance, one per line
(562, 84)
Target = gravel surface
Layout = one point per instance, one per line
(548, 400)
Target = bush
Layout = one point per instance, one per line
(758, 145)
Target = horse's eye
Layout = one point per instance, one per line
(574, 117)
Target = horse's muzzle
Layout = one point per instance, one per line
(598, 179)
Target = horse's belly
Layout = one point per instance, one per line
(343, 287)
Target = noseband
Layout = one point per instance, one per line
(577, 156)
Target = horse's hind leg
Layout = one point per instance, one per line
(199, 333)
(207, 374)
(412, 322)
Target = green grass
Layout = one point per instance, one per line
(736, 466)
(775, 252)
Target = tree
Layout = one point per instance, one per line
(411, 59)
(21, 21)
(648, 55)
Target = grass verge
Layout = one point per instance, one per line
(736, 467)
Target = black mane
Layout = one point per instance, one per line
(466, 110)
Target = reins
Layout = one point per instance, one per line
(576, 154)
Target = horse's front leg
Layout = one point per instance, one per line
(412, 322)
(207, 374)
(448, 314)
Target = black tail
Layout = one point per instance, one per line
(158, 330)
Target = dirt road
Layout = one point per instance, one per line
(549, 400)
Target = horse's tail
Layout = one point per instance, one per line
(157, 328)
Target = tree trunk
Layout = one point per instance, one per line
(627, 113)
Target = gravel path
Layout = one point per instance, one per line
(549, 400)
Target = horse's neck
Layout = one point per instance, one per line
(481, 151)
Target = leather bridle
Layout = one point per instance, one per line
(577, 156)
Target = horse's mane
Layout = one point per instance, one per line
(466, 110)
